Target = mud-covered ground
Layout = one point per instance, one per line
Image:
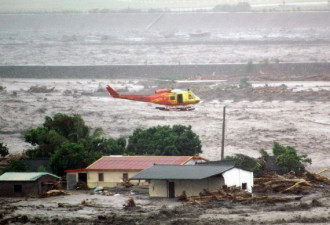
(81, 207)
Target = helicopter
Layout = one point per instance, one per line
(172, 99)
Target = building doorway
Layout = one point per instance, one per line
(171, 190)
(82, 177)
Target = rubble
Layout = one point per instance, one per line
(127, 183)
(289, 184)
(129, 204)
(54, 193)
(266, 189)
(235, 194)
(40, 89)
(81, 185)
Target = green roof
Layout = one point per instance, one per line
(180, 172)
(24, 176)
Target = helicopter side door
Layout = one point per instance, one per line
(180, 98)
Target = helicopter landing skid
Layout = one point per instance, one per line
(178, 108)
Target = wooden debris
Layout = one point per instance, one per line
(322, 171)
(54, 185)
(277, 184)
(129, 204)
(81, 185)
(183, 196)
(288, 184)
(127, 183)
(233, 193)
(316, 178)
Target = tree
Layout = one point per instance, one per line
(71, 156)
(66, 140)
(288, 159)
(16, 165)
(54, 132)
(164, 141)
(248, 163)
(3, 149)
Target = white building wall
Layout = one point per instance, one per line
(194, 187)
(237, 177)
(159, 188)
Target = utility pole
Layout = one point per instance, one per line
(223, 134)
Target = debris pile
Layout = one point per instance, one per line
(81, 185)
(126, 183)
(54, 193)
(129, 204)
(40, 89)
(271, 187)
(316, 177)
(234, 194)
(102, 191)
(2, 88)
(281, 185)
(54, 185)
(289, 184)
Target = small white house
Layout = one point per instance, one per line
(171, 180)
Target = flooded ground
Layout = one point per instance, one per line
(83, 207)
(253, 122)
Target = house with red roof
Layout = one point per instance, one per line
(110, 171)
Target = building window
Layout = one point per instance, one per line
(125, 176)
(17, 188)
(244, 186)
(101, 178)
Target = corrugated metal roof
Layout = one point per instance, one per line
(24, 176)
(135, 162)
(173, 172)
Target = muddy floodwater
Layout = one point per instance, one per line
(250, 126)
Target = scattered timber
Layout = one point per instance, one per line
(127, 183)
(54, 193)
(266, 189)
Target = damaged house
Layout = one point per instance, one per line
(171, 180)
(25, 184)
(110, 171)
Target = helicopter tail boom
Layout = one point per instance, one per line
(112, 92)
